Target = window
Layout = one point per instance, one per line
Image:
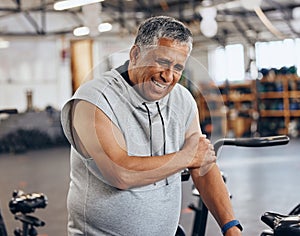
(297, 55)
(276, 54)
(227, 63)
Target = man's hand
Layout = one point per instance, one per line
(202, 152)
(209, 159)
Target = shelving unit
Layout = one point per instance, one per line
(240, 98)
(279, 99)
(269, 106)
(232, 104)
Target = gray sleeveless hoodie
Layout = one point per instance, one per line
(149, 128)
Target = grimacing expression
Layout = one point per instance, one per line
(156, 70)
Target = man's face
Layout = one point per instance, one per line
(155, 71)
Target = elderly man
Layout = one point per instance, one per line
(133, 131)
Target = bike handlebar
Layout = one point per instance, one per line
(252, 142)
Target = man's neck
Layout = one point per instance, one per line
(123, 70)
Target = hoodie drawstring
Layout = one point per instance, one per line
(164, 131)
(150, 127)
(163, 126)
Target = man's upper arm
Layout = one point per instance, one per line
(194, 127)
(96, 137)
(96, 133)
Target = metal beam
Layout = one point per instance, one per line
(43, 17)
(32, 22)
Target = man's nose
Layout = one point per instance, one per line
(167, 75)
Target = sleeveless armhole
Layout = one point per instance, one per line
(76, 139)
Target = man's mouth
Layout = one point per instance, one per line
(158, 84)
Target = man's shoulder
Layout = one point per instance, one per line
(182, 98)
(181, 92)
(102, 82)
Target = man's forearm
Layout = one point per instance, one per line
(214, 193)
(125, 178)
(133, 171)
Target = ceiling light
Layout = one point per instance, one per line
(295, 24)
(296, 12)
(228, 5)
(209, 28)
(208, 24)
(67, 4)
(81, 31)
(104, 27)
(206, 3)
(208, 12)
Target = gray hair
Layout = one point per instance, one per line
(154, 28)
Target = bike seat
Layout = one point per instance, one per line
(282, 225)
(271, 218)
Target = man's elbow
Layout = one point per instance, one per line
(122, 181)
(122, 185)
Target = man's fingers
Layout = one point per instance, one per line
(208, 161)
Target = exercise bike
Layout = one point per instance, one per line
(21, 204)
(281, 225)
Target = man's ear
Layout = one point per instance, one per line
(135, 52)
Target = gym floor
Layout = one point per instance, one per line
(259, 179)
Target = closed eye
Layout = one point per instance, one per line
(178, 67)
(163, 62)
(167, 64)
